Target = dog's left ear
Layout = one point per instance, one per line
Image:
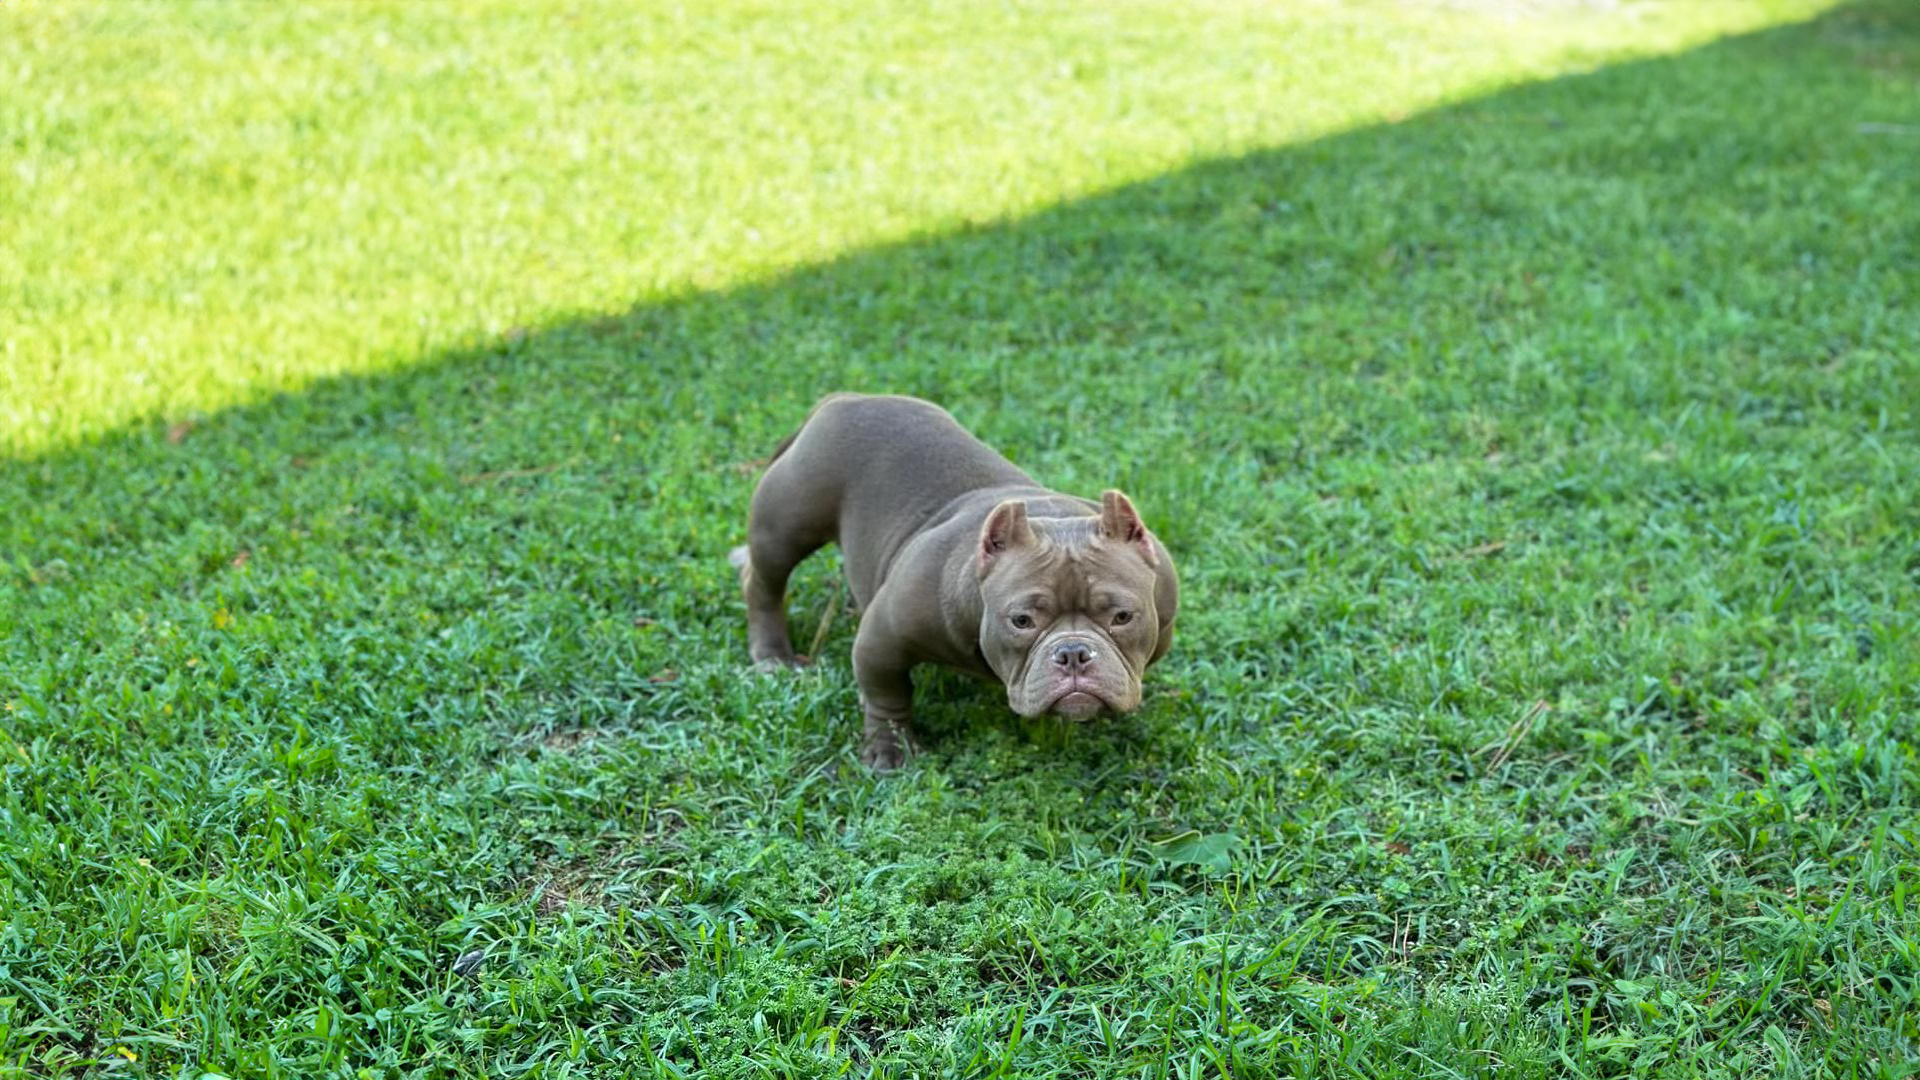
(1121, 523)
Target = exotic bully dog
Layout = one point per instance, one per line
(955, 557)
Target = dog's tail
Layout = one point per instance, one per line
(739, 557)
(784, 444)
(817, 406)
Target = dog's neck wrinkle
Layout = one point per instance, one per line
(925, 520)
(961, 594)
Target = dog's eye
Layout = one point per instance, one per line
(1022, 621)
(1122, 618)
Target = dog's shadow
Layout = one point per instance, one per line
(958, 715)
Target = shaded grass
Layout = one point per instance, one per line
(1540, 469)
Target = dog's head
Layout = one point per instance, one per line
(1074, 609)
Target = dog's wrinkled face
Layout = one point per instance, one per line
(1069, 622)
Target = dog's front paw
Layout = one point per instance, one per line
(886, 745)
(789, 661)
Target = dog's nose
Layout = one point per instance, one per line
(1072, 656)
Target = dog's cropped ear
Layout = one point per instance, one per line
(1006, 529)
(1120, 522)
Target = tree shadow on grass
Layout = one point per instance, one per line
(1509, 278)
(1518, 279)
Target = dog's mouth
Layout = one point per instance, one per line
(1076, 696)
(1077, 701)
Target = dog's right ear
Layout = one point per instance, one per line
(1006, 529)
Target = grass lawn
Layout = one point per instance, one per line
(1529, 393)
